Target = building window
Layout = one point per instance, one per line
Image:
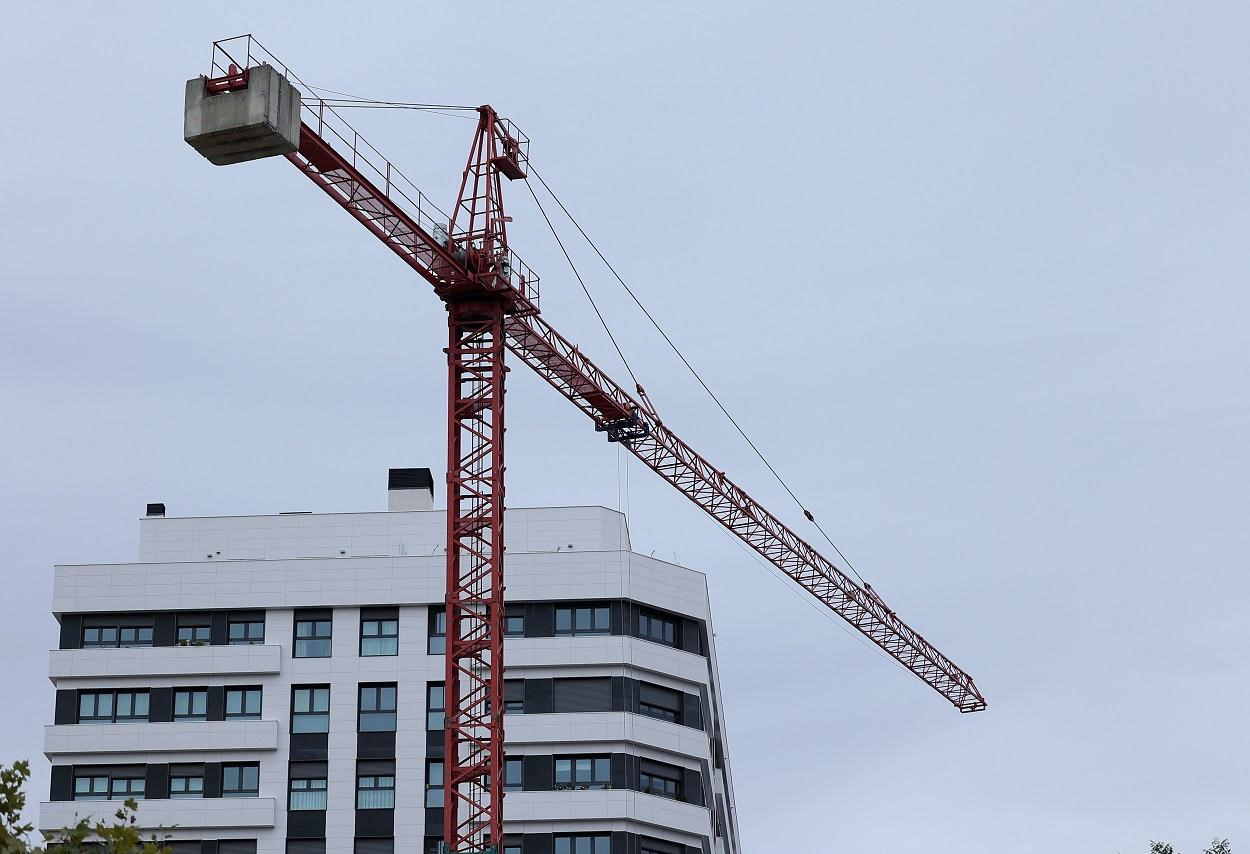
(246, 631)
(312, 638)
(435, 706)
(191, 704)
(121, 788)
(511, 846)
(658, 779)
(105, 787)
(583, 772)
(583, 620)
(513, 770)
(310, 708)
(375, 792)
(657, 702)
(438, 632)
(377, 708)
(582, 695)
(514, 696)
(240, 780)
(98, 636)
(379, 637)
(308, 793)
(104, 707)
(186, 785)
(434, 782)
(584, 843)
(91, 788)
(514, 622)
(242, 703)
(194, 635)
(653, 627)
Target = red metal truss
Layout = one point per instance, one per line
(473, 732)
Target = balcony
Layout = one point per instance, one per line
(607, 650)
(189, 814)
(179, 737)
(164, 661)
(585, 728)
(605, 805)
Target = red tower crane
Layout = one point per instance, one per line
(247, 107)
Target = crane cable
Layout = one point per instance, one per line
(806, 513)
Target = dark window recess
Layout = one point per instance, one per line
(514, 695)
(512, 845)
(240, 780)
(106, 707)
(514, 621)
(309, 786)
(434, 782)
(660, 629)
(182, 847)
(375, 846)
(243, 703)
(513, 775)
(379, 631)
(657, 702)
(191, 704)
(377, 708)
(312, 636)
(375, 787)
(437, 644)
(658, 846)
(656, 778)
(236, 846)
(435, 706)
(583, 620)
(583, 772)
(305, 846)
(583, 695)
(245, 630)
(310, 708)
(583, 843)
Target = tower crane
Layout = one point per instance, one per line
(249, 106)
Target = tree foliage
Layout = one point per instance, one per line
(120, 836)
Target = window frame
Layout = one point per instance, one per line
(242, 768)
(361, 789)
(670, 634)
(381, 635)
(600, 843)
(647, 771)
(144, 636)
(432, 788)
(246, 691)
(597, 761)
(514, 705)
(314, 636)
(201, 634)
(187, 793)
(664, 711)
(517, 762)
(431, 709)
(514, 612)
(595, 611)
(245, 638)
(310, 788)
(114, 695)
(377, 691)
(436, 634)
(312, 711)
(191, 715)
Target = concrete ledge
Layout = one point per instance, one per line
(607, 650)
(206, 813)
(164, 661)
(179, 737)
(582, 727)
(553, 811)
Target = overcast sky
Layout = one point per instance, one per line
(973, 275)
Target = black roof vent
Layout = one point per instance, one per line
(156, 510)
(410, 479)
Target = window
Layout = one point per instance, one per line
(583, 620)
(584, 843)
(310, 708)
(438, 632)
(583, 695)
(194, 635)
(121, 788)
(242, 703)
(434, 782)
(435, 706)
(104, 707)
(657, 846)
(658, 779)
(191, 704)
(97, 636)
(91, 788)
(312, 638)
(513, 770)
(514, 622)
(375, 791)
(514, 695)
(305, 846)
(379, 637)
(240, 780)
(657, 702)
(583, 772)
(308, 792)
(187, 785)
(377, 708)
(243, 631)
(511, 846)
(653, 627)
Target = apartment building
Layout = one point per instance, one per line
(273, 685)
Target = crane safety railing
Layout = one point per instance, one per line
(383, 176)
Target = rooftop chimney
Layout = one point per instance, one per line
(410, 489)
(156, 510)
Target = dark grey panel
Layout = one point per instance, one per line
(538, 696)
(217, 703)
(71, 631)
(161, 705)
(305, 824)
(66, 709)
(156, 782)
(62, 788)
(692, 711)
(309, 745)
(538, 773)
(540, 620)
(375, 823)
(219, 628)
(164, 632)
(375, 745)
(212, 779)
(583, 695)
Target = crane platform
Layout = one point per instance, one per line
(245, 115)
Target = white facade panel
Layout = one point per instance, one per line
(164, 661)
(186, 737)
(182, 815)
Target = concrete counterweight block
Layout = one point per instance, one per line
(261, 120)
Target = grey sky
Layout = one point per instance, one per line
(973, 275)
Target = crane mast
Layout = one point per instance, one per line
(492, 302)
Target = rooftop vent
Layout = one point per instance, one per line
(156, 510)
(410, 489)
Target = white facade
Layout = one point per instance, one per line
(206, 569)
